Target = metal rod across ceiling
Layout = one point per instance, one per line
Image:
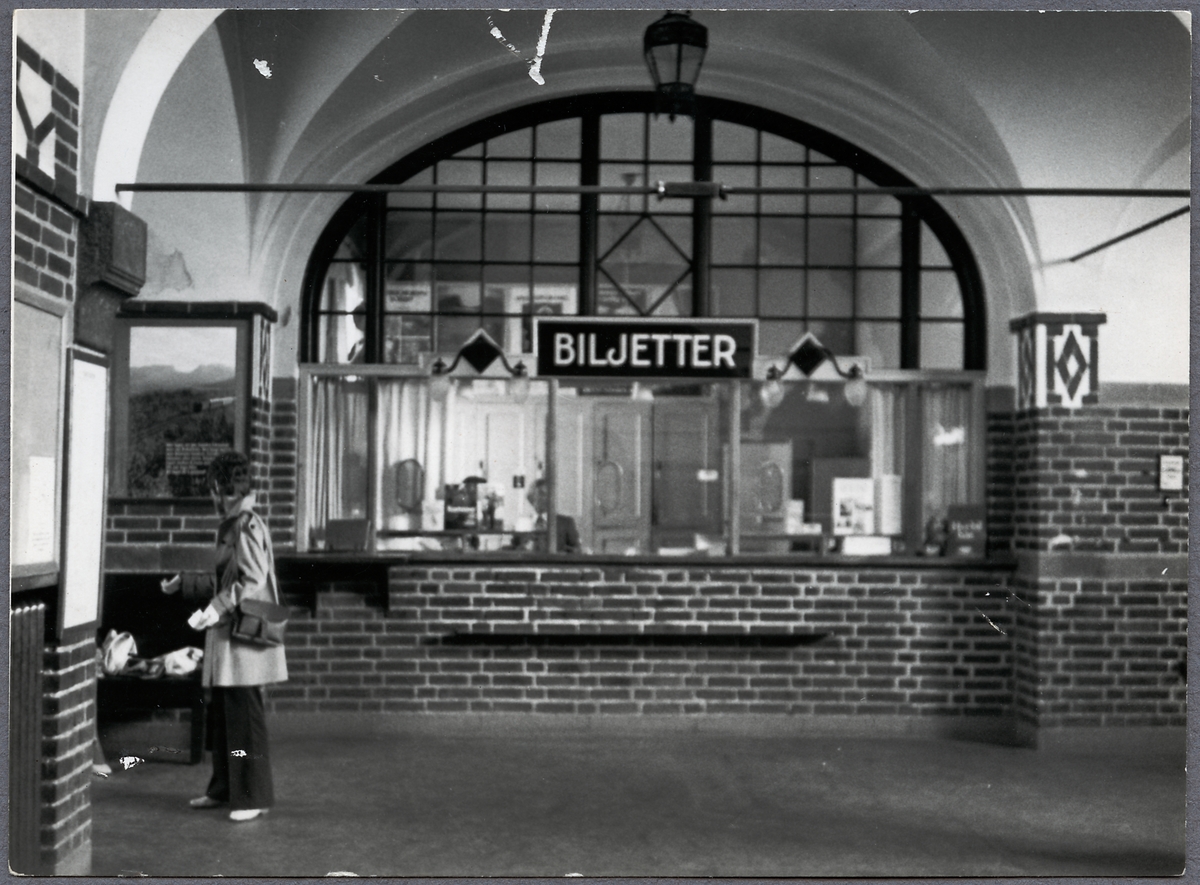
(688, 189)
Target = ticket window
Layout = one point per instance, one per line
(641, 466)
(795, 448)
(879, 476)
(425, 467)
(662, 468)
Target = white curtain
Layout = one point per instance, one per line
(888, 414)
(887, 430)
(946, 427)
(406, 415)
(336, 463)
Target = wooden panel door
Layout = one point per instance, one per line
(766, 487)
(500, 442)
(687, 471)
(620, 475)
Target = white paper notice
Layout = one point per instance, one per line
(39, 523)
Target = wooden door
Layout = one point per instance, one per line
(500, 441)
(687, 471)
(620, 488)
(766, 488)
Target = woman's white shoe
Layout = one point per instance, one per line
(205, 802)
(244, 814)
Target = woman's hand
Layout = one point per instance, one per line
(202, 619)
(172, 585)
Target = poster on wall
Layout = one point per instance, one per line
(548, 300)
(853, 506)
(38, 503)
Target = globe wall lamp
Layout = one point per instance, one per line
(480, 352)
(674, 47)
(808, 356)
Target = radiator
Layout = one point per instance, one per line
(25, 736)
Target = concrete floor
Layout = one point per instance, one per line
(551, 796)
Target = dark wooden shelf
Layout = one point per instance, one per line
(634, 639)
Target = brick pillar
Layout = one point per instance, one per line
(47, 217)
(1101, 585)
(68, 729)
(258, 435)
(282, 463)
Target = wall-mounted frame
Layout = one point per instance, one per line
(181, 393)
(40, 327)
(84, 494)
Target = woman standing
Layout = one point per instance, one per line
(235, 671)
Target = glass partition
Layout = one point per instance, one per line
(642, 467)
(461, 464)
(335, 479)
(805, 467)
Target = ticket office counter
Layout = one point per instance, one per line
(396, 462)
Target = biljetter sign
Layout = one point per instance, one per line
(644, 348)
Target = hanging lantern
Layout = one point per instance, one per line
(674, 47)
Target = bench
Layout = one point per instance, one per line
(134, 603)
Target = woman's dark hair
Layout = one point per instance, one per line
(229, 473)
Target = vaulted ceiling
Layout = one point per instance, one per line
(949, 98)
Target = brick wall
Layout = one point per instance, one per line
(1100, 652)
(1101, 619)
(45, 240)
(159, 534)
(47, 212)
(280, 463)
(625, 639)
(1001, 479)
(258, 444)
(51, 157)
(69, 714)
(1087, 479)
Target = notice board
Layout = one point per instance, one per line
(37, 354)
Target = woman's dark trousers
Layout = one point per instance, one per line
(237, 730)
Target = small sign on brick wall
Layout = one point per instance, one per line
(1170, 473)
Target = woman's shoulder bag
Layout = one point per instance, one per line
(256, 621)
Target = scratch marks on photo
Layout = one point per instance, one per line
(535, 63)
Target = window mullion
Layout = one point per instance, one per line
(701, 213)
(589, 206)
(376, 270)
(910, 286)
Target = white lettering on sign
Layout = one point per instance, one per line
(564, 349)
(639, 345)
(698, 350)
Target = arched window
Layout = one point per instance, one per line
(887, 278)
(784, 460)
